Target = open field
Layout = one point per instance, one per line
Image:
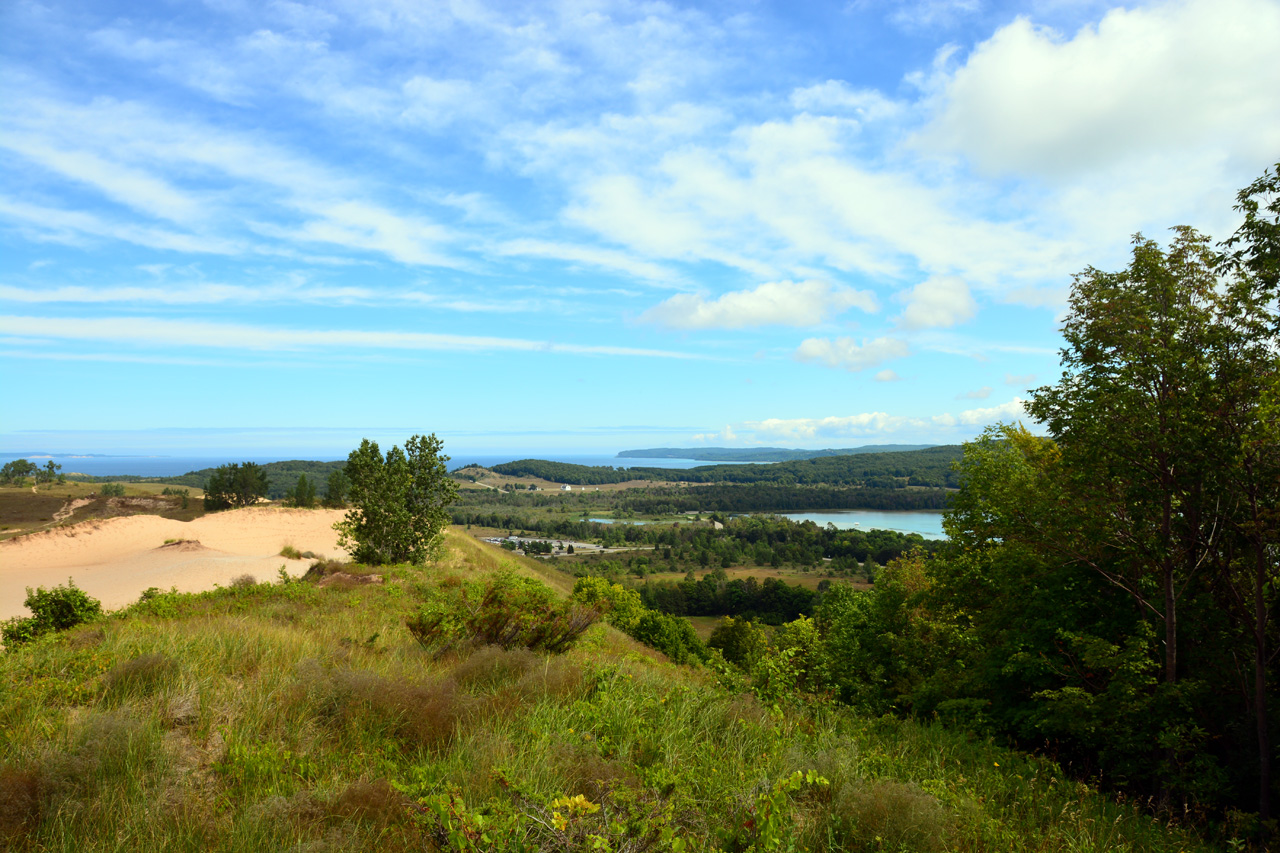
(808, 580)
(115, 559)
(25, 509)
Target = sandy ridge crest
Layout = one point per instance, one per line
(115, 559)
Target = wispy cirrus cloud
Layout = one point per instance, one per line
(151, 331)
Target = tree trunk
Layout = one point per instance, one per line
(1260, 681)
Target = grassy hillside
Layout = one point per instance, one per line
(303, 716)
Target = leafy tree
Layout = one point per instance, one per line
(1248, 452)
(336, 490)
(1132, 416)
(399, 504)
(49, 474)
(17, 470)
(304, 493)
(236, 484)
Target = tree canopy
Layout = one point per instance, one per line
(399, 503)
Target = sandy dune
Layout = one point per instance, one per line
(115, 559)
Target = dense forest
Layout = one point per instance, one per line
(928, 467)
(759, 454)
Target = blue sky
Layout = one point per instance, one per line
(587, 226)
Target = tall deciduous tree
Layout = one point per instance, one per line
(235, 485)
(399, 504)
(1133, 416)
(1247, 356)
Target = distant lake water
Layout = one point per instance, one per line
(173, 466)
(927, 524)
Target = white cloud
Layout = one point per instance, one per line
(940, 301)
(609, 259)
(1171, 76)
(148, 331)
(849, 354)
(981, 394)
(1024, 379)
(726, 435)
(879, 423)
(781, 303)
(1011, 410)
(888, 375)
(809, 429)
(839, 96)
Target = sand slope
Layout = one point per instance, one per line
(115, 559)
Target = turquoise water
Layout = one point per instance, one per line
(927, 524)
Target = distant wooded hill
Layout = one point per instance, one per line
(282, 477)
(760, 454)
(927, 467)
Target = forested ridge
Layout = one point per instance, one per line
(759, 454)
(928, 467)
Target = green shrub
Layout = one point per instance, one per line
(52, 610)
(514, 612)
(112, 490)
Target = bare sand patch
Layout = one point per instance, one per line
(115, 559)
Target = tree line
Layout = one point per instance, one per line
(928, 467)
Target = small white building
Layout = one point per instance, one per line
(566, 488)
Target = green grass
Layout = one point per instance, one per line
(295, 717)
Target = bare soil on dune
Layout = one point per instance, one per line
(116, 559)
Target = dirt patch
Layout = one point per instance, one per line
(72, 506)
(342, 579)
(183, 545)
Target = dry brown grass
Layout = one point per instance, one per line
(138, 676)
(494, 666)
(888, 815)
(20, 803)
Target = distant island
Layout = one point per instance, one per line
(760, 454)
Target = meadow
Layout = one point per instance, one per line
(303, 715)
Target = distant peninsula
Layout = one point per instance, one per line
(760, 454)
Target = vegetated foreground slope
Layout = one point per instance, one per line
(304, 716)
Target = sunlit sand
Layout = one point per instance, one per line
(115, 559)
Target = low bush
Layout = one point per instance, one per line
(57, 609)
(112, 490)
(514, 612)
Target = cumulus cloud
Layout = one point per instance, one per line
(938, 302)
(865, 424)
(1012, 410)
(1158, 78)
(888, 375)
(849, 354)
(726, 435)
(1024, 379)
(781, 303)
(981, 394)
(808, 429)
